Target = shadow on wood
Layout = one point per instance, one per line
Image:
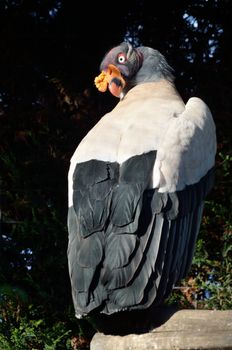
(137, 322)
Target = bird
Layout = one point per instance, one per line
(137, 184)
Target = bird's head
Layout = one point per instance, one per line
(125, 66)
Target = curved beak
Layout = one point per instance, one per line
(111, 78)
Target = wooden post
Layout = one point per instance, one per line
(185, 329)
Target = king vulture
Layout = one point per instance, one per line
(137, 184)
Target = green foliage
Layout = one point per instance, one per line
(35, 335)
(209, 284)
(24, 326)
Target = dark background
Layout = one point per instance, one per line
(50, 52)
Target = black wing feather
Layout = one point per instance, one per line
(128, 246)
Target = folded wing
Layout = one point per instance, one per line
(133, 226)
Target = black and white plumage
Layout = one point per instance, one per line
(137, 184)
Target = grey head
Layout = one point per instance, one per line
(138, 65)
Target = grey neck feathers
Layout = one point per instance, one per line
(154, 67)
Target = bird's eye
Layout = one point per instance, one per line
(121, 58)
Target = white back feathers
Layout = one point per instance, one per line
(137, 184)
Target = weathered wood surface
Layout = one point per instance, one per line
(185, 329)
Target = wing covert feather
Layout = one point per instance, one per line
(188, 149)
